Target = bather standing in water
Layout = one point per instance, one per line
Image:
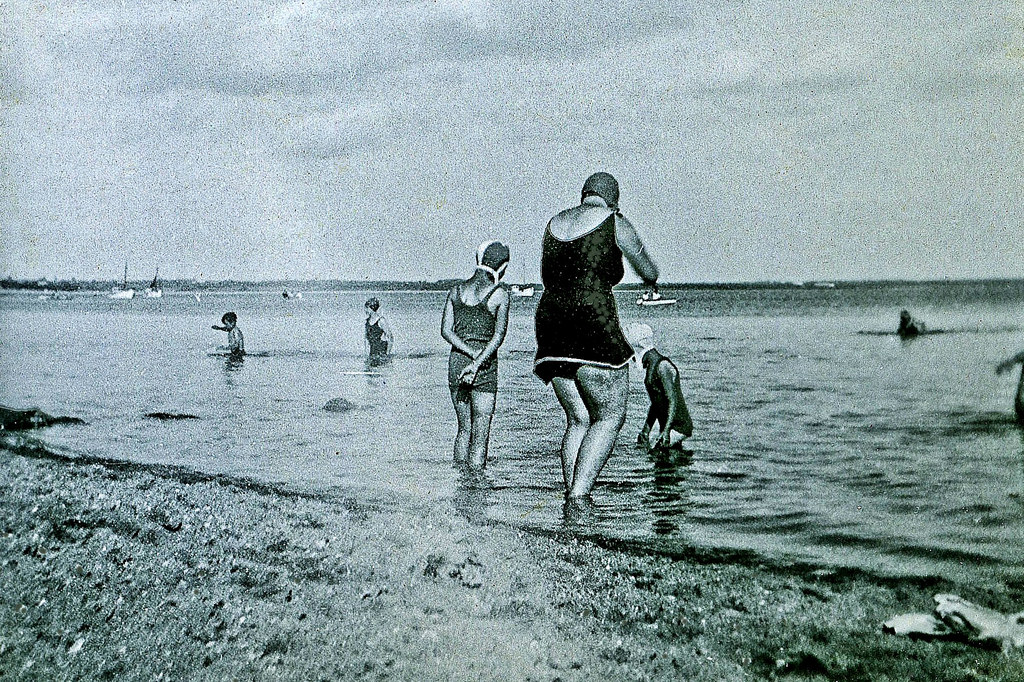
(474, 322)
(379, 338)
(1006, 366)
(581, 351)
(236, 342)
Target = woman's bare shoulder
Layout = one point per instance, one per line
(577, 221)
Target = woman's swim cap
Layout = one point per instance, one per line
(605, 186)
(492, 256)
(373, 304)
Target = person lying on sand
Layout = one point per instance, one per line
(909, 327)
(236, 343)
(1006, 366)
(668, 408)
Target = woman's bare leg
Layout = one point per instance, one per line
(577, 421)
(480, 432)
(604, 392)
(463, 411)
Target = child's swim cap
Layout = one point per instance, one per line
(373, 304)
(229, 317)
(605, 186)
(639, 334)
(492, 256)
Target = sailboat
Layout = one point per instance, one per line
(154, 290)
(522, 290)
(123, 292)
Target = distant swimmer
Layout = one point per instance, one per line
(379, 337)
(236, 343)
(1006, 366)
(909, 327)
(474, 323)
(668, 408)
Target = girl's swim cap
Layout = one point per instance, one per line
(492, 256)
(639, 334)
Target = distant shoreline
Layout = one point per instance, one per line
(442, 285)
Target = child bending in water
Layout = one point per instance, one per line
(236, 343)
(668, 408)
(474, 323)
(1006, 366)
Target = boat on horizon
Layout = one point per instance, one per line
(122, 292)
(291, 294)
(652, 298)
(522, 290)
(154, 290)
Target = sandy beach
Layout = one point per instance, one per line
(111, 570)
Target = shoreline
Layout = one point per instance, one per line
(119, 570)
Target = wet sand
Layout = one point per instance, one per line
(121, 571)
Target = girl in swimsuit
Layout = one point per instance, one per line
(581, 351)
(379, 338)
(474, 323)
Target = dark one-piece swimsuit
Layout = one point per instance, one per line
(577, 321)
(474, 324)
(375, 339)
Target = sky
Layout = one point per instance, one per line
(753, 141)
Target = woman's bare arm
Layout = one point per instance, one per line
(500, 327)
(448, 327)
(633, 249)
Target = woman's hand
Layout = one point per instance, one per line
(468, 375)
(664, 440)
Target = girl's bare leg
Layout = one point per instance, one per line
(463, 411)
(480, 432)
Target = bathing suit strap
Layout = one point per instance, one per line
(483, 299)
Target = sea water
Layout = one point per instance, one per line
(819, 437)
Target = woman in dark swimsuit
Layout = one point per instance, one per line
(379, 338)
(474, 323)
(581, 350)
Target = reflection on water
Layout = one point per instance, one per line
(811, 440)
(669, 495)
(474, 494)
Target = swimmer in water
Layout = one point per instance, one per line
(909, 327)
(1018, 402)
(236, 342)
(379, 338)
(668, 408)
(474, 323)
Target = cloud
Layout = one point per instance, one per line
(155, 125)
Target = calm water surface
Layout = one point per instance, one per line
(813, 441)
